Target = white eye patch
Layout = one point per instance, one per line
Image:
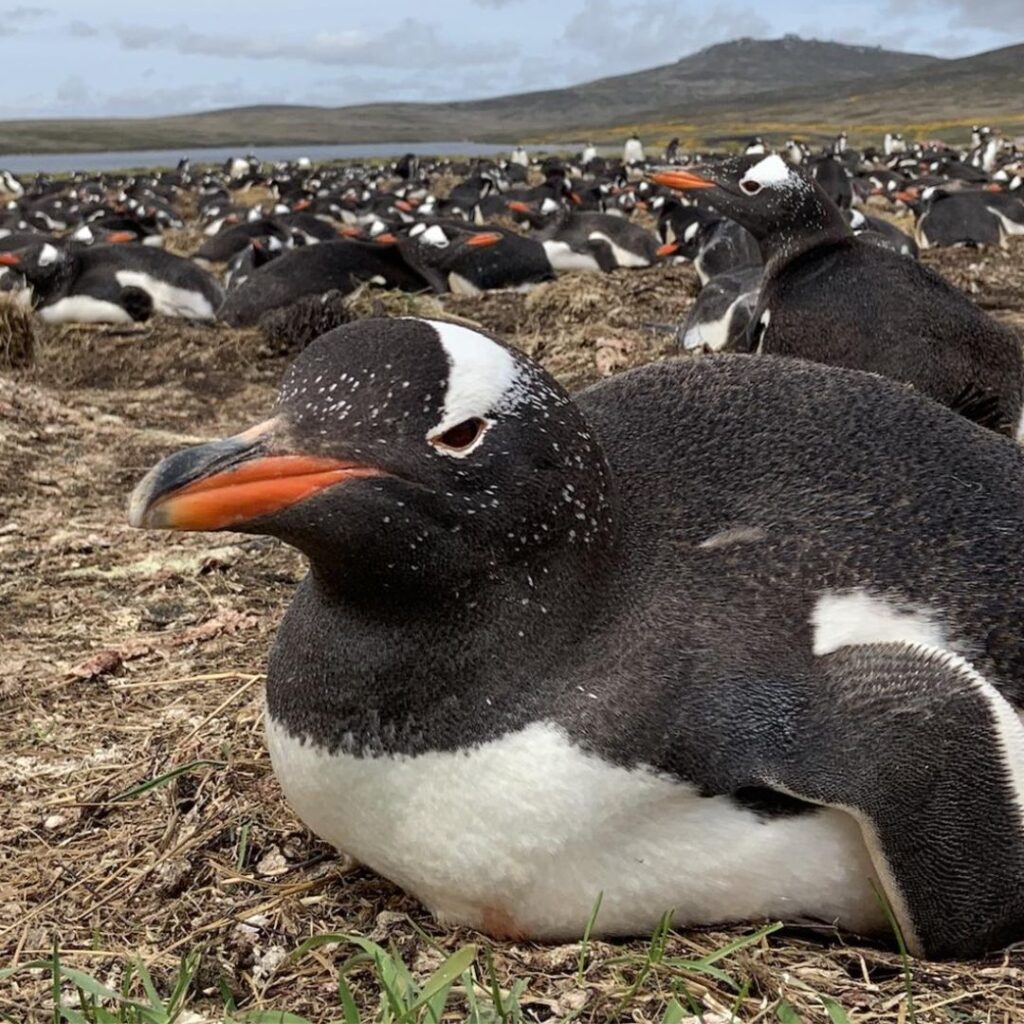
(772, 170)
(691, 231)
(548, 206)
(48, 255)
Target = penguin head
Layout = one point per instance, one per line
(402, 451)
(763, 193)
(40, 262)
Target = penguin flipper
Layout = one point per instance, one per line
(928, 757)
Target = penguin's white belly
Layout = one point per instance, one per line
(521, 834)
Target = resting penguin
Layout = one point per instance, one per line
(946, 219)
(651, 642)
(833, 298)
(457, 258)
(720, 318)
(315, 269)
(113, 283)
(598, 241)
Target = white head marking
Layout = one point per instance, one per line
(434, 235)
(48, 255)
(772, 170)
(481, 377)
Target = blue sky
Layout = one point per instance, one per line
(111, 58)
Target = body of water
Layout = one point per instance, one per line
(58, 163)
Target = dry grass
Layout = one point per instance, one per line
(17, 334)
(127, 656)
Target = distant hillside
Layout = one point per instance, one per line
(725, 92)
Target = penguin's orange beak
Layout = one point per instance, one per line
(519, 206)
(302, 204)
(349, 231)
(483, 239)
(228, 483)
(119, 237)
(681, 180)
(907, 195)
(9, 259)
(667, 249)
(386, 239)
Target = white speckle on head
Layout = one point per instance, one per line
(48, 255)
(690, 231)
(481, 375)
(772, 170)
(853, 617)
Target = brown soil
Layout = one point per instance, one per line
(125, 654)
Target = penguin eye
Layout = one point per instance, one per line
(750, 186)
(461, 437)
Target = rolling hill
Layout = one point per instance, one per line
(721, 93)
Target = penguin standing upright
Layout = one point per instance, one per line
(648, 645)
(834, 298)
(633, 151)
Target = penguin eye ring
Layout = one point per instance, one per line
(462, 438)
(750, 186)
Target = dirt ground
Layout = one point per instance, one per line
(125, 655)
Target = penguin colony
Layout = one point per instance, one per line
(735, 635)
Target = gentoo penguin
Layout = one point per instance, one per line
(231, 240)
(460, 259)
(945, 219)
(719, 320)
(588, 155)
(833, 298)
(315, 269)
(113, 283)
(881, 232)
(519, 156)
(255, 255)
(598, 241)
(716, 245)
(633, 151)
(755, 147)
(650, 643)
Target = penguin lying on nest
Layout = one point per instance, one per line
(649, 642)
(833, 298)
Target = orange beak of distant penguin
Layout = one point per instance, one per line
(484, 238)
(518, 206)
(386, 239)
(119, 237)
(227, 483)
(349, 231)
(9, 259)
(907, 195)
(681, 180)
(668, 249)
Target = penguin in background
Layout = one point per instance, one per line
(755, 147)
(520, 156)
(796, 152)
(672, 151)
(832, 298)
(633, 152)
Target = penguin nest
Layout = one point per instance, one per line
(17, 335)
(289, 330)
(367, 301)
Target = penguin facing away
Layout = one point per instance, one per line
(644, 642)
(833, 298)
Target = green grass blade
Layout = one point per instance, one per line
(674, 1013)
(786, 1014)
(908, 977)
(441, 981)
(585, 942)
(155, 1002)
(161, 780)
(836, 1014)
(348, 1001)
(274, 1017)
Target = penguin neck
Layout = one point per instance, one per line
(424, 671)
(815, 222)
